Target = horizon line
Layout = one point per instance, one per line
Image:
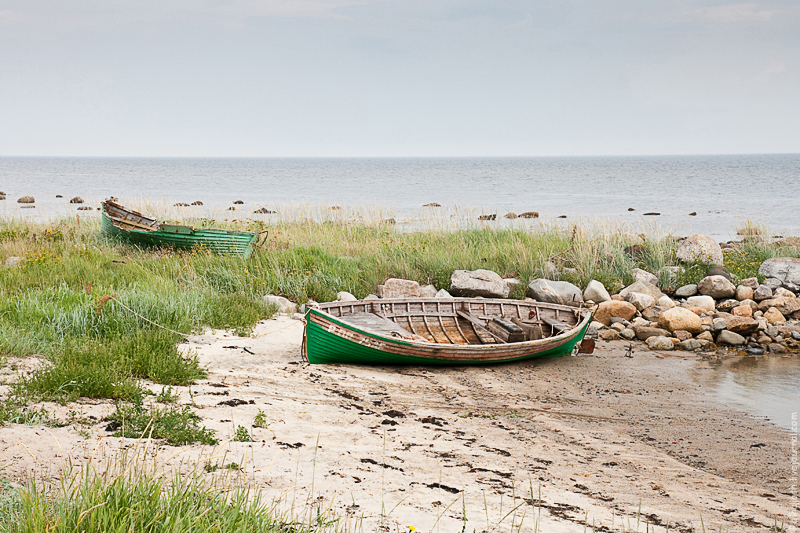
(717, 154)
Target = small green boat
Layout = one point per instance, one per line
(118, 221)
(442, 331)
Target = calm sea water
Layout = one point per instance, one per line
(724, 191)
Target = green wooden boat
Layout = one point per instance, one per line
(442, 331)
(118, 221)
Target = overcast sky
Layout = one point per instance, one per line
(398, 77)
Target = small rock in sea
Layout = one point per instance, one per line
(754, 351)
(26, 200)
(76, 200)
(653, 214)
(264, 211)
(231, 208)
(85, 208)
(631, 209)
(180, 204)
(197, 202)
(693, 214)
(336, 208)
(432, 204)
(529, 214)
(488, 217)
(28, 207)
(561, 216)
(660, 343)
(57, 195)
(238, 202)
(510, 215)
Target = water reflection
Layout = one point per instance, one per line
(763, 386)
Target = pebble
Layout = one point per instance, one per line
(755, 351)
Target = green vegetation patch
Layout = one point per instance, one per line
(176, 425)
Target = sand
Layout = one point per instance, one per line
(622, 440)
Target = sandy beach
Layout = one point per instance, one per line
(620, 440)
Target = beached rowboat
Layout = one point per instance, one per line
(442, 331)
(118, 221)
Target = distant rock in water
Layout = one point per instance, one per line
(693, 214)
(389, 221)
(561, 216)
(231, 209)
(59, 196)
(238, 202)
(652, 214)
(529, 214)
(264, 211)
(510, 215)
(488, 217)
(85, 208)
(197, 202)
(335, 208)
(432, 204)
(28, 207)
(76, 200)
(181, 204)
(26, 200)
(631, 209)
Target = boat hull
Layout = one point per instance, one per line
(329, 340)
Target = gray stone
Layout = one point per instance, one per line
(665, 302)
(609, 335)
(15, 261)
(550, 269)
(750, 282)
(512, 283)
(786, 269)
(652, 313)
(371, 297)
(796, 335)
(717, 287)
(427, 291)
(478, 283)
(719, 324)
(772, 331)
(660, 343)
(399, 288)
(773, 283)
(755, 350)
(556, 292)
(727, 305)
(596, 292)
(627, 334)
(720, 271)
(639, 300)
(619, 320)
(284, 305)
(762, 293)
(686, 291)
(690, 345)
(443, 294)
(700, 248)
(730, 338)
(778, 349)
(743, 292)
(645, 276)
(344, 296)
(645, 332)
(706, 303)
(642, 287)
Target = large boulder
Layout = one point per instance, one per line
(786, 269)
(399, 288)
(699, 248)
(555, 292)
(642, 287)
(614, 308)
(717, 287)
(479, 282)
(596, 292)
(26, 200)
(679, 318)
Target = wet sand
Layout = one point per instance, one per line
(617, 439)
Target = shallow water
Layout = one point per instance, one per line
(724, 191)
(767, 387)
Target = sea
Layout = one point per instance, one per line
(715, 195)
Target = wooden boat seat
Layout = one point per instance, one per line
(380, 325)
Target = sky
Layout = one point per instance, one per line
(364, 78)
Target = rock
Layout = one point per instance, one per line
(614, 308)
(197, 202)
(645, 332)
(180, 204)
(443, 294)
(750, 282)
(15, 261)
(777, 349)
(617, 326)
(719, 324)
(262, 211)
(344, 296)
(743, 310)
(699, 248)
(231, 208)
(705, 303)
(786, 306)
(618, 320)
(628, 334)
(642, 287)
(660, 343)
(741, 325)
(371, 297)
(510, 215)
(680, 318)
(493, 216)
(431, 204)
(690, 345)
(795, 335)
(76, 200)
(763, 339)
(238, 202)
(743, 292)
(479, 282)
(529, 214)
(772, 331)
(720, 271)
(682, 334)
(729, 338)
(762, 293)
(785, 293)
(400, 288)
(645, 276)
(596, 292)
(772, 283)
(755, 350)
(716, 287)
(705, 336)
(550, 268)
(26, 200)
(512, 283)
(609, 335)
(686, 291)
(556, 292)
(284, 305)
(641, 301)
(665, 302)
(786, 269)
(728, 305)
(85, 208)
(651, 313)
(617, 297)
(427, 291)
(774, 317)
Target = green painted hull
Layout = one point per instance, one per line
(331, 341)
(217, 241)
